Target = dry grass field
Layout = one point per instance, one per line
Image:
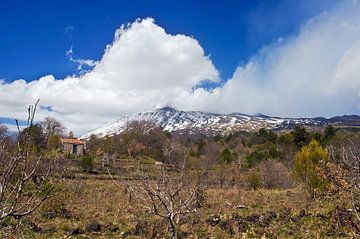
(94, 206)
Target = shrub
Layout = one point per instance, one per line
(300, 136)
(87, 163)
(226, 156)
(256, 157)
(254, 179)
(55, 206)
(274, 174)
(307, 167)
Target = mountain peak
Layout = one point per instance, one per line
(197, 122)
(167, 108)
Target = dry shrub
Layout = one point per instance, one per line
(270, 174)
(254, 179)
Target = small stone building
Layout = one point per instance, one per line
(73, 146)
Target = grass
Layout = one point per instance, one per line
(277, 213)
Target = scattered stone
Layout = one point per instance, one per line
(190, 218)
(125, 234)
(286, 213)
(141, 227)
(76, 231)
(63, 213)
(228, 227)
(265, 219)
(295, 218)
(242, 226)
(253, 218)
(33, 226)
(214, 220)
(302, 213)
(241, 207)
(111, 227)
(93, 227)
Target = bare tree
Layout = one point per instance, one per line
(168, 194)
(52, 126)
(274, 174)
(144, 137)
(20, 195)
(169, 197)
(3, 130)
(350, 155)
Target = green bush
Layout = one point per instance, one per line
(87, 163)
(307, 167)
(256, 157)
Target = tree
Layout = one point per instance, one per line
(33, 136)
(20, 194)
(267, 135)
(143, 137)
(286, 145)
(307, 167)
(3, 130)
(53, 142)
(329, 132)
(71, 135)
(350, 157)
(301, 136)
(210, 153)
(226, 156)
(274, 174)
(87, 163)
(169, 196)
(50, 127)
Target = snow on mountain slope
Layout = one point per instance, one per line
(196, 122)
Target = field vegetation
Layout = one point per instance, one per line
(147, 183)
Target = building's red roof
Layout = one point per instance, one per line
(72, 141)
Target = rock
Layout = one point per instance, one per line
(228, 227)
(75, 231)
(294, 218)
(240, 207)
(341, 216)
(126, 234)
(93, 227)
(33, 226)
(62, 213)
(253, 218)
(241, 223)
(265, 219)
(271, 215)
(286, 213)
(214, 220)
(141, 227)
(190, 218)
(111, 227)
(302, 213)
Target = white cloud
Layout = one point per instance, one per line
(315, 73)
(80, 62)
(143, 68)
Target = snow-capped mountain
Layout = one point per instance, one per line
(197, 122)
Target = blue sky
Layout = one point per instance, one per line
(90, 62)
(36, 34)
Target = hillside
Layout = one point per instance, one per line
(197, 122)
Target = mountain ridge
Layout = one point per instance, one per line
(198, 122)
